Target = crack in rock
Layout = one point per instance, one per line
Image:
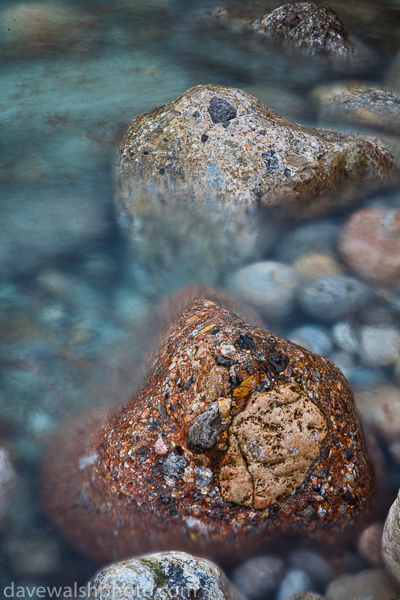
(272, 445)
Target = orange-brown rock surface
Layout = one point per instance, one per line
(238, 436)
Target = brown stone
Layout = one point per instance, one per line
(238, 436)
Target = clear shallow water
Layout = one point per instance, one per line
(73, 299)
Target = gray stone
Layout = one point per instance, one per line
(258, 157)
(310, 28)
(317, 237)
(295, 581)
(380, 346)
(359, 104)
(366, 585)
(313, 338)
(345, 336)
(174, 465)
(204, 431)
(269, 285)
(333, 298)
(391, 541)
(259, 576)
(161, 576)
(316, 566)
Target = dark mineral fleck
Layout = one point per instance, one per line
(196, 114)
(244, 342)
(204, 431)
(174, 465)
(220, 110)
(278, 360)
(204, 137)
(287, 172)
(271, 161)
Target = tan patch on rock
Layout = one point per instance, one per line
(272, 445)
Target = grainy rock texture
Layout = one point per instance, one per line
(237, 436)
(224, 147)
(370, 244)
(311, 27)
(358, 103)
(391, 541)
(163, 575)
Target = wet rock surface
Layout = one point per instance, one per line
(373, 584)
(391, 541)
(360, 103)
(223, 147)
(311, 27)
(163, 575)
(237, 435)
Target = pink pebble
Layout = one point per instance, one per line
(160, 447)
(370, 244)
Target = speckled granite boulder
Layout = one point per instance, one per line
(391, 541)
(238, 436)
(225, 149)
(359, 103)
(309, 27)
(163, 575)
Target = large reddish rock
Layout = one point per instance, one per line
(238, 436)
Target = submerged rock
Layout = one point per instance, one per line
(8, 481)
(370, 244)
(361, 104)
(219, 147)
(308, 26)
(163, 575)
(237, 435)
(373, 584)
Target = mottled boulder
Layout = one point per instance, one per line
(308, 26)
(361, 104)
(225, 150)
(238, 436)
(391, 541)
(163, 575)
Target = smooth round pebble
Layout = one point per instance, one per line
(295, 581)
(318, 237)
(370, 244)
(379, 346)
(163, 575)
(394, 451)
(362, 378)
(313, 338)
(366, 585)
(345, 336)
(259, 576)
(370, 544)
(380, 407)
(312, 563)
(313, 265)
(391, 541)
(269, 285)
(333, 298)
(8, 480)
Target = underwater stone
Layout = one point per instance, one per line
(243, 165)
(279, 463)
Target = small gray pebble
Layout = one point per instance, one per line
(320, 236)
(174, 465)
(204, 431)
(294, 581)
(313, 338)
(333, 298)
(259, 576)
(315, 565)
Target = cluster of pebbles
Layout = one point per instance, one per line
(242, 440)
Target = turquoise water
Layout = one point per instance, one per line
(74, 300)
